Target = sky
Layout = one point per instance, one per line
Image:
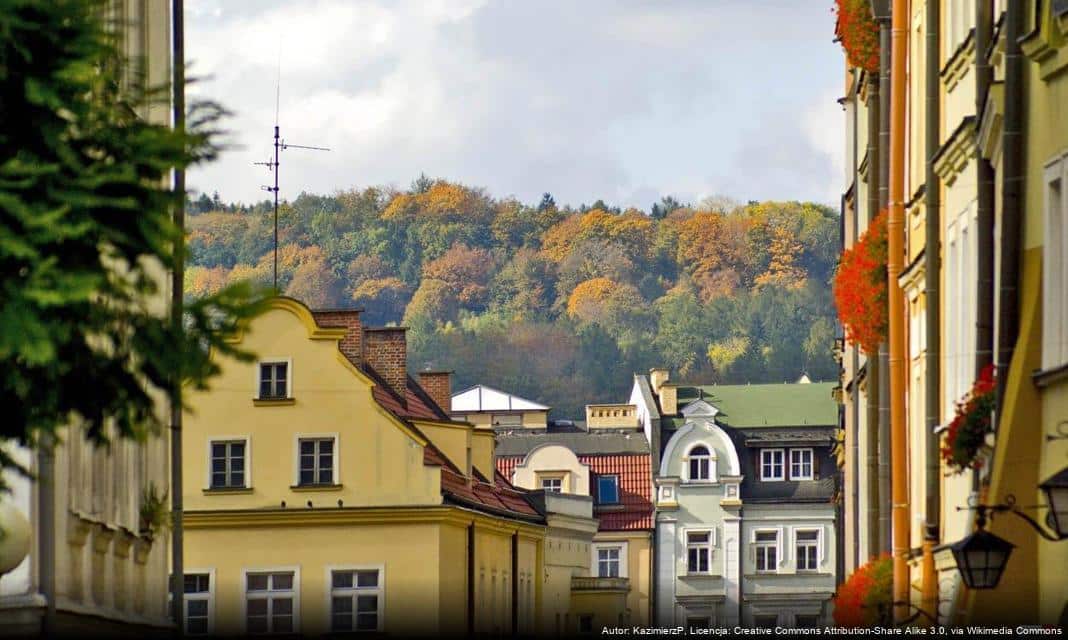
(622, 100)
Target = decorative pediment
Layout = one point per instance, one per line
(699, 408)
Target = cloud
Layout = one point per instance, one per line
(613, 100)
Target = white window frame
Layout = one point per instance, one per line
(1055, 264)
(811, 464)
(289, 377)
(757, 545)
(621, 545)
(711, 457)
(296, 457)
(247, 439)
(782, 465)
(379, 591)
(709, 548)
(295, 570)
(819, 549)
(209, 596)
(560, 477)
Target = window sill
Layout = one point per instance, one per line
(273, 402)
(608, 507)
(316, 487)
(221, 491)
(1048, 377)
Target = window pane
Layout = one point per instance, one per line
(218, 465)
(265, 389)
(282, 581)
(257, 624)
(256, 582)
(282, 624)
(326, 446)
(191, 584)
(307, 447)
(326, 476)
(367, 579)
(282, 606)
(237, 449)
(218, 450)
(280, 371)
(196, 607)
(306, 477)
(256, 607)
(341, 622)
(366, 621)
(766, 536)
(697, 536)
(342, 580)
(699, 451)
(237, 464)
(218, 480)
(807, 535)
(196, 625)
(366, 604)
(341, 604)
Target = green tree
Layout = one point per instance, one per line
(86, 236)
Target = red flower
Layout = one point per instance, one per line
(860, 288)
(863, 600)
(967, 431)
(858, 33)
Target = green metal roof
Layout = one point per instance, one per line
(746, 406)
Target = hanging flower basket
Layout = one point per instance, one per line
(864, 599)
(859, 33)
(966, 435)
(860, 289)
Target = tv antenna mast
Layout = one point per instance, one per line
(272, 165)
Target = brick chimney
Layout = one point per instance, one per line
(350, 345)
(386, 350)
(438, 385)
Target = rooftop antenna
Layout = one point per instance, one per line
(272, 165)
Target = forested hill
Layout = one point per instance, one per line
(558, 305)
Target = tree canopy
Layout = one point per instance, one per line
(560, 305)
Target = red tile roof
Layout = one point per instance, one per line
(635, 488)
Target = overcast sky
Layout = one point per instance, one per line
(621, 100)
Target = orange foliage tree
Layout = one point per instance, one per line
(467, 271)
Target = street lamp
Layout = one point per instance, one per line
(1056, 490)
(981, 558)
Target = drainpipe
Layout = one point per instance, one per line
(515, 584)
(872, 359)
(177, 539)
(896, 244)
(932, 274)
(46, 532)
(854, 475)
(984, 299)
(883, 16)
(471, 580)
(1012, 205)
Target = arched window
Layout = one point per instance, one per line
(700, 463)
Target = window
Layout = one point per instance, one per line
(269, 602)
(585, 623)
(274, 380)
(700, 463)
(508, 420)
(808, 545)
(607, 489)
(698, 623)
(228, 464)
(316, 461)
(608, 562)
(355, 600)
(552, 485)
(1055, 267)
(767, 551)
(806, 622)
(698, 551)
(801, 464)
(771, 464)
(197, 591)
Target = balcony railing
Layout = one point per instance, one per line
(599, 584)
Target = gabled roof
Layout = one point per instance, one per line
(766, 405)
(484, 398)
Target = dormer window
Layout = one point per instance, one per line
(771, 465)
(700, 462)
(274, 380)
(607, 489)
(801, 464)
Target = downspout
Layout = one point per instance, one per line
(854, 476)
(177, 285)
(1011, 196)
(932, 275)
(471, 579)
(515, 584)
(872, 359)
(895, 228)
(984, 299)
(46, 534)
(885, 503)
